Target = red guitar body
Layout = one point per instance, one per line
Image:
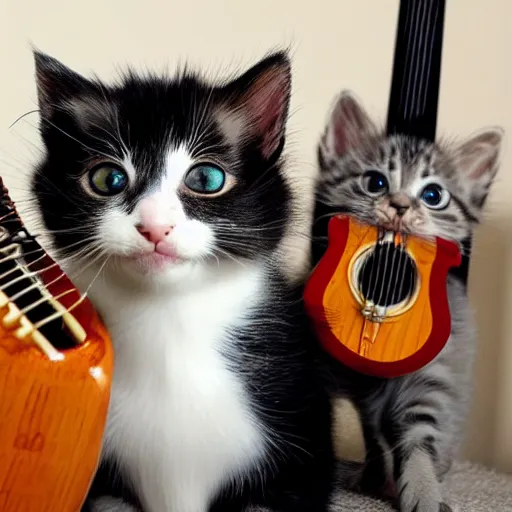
(378, 300)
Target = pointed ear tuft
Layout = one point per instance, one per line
(56, 83)
(348, 126)
(260, 98)
(478, 157)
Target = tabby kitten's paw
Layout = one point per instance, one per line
(418, 488)
(109, 504)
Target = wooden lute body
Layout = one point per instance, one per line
(378, 300)
(56, 364)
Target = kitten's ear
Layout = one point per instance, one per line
(348, 126)
(260, 99)
(478, 157)
(56, 83)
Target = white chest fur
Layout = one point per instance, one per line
(180, 422)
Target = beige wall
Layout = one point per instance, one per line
(336, 44)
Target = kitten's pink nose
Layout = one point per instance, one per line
(154, 233)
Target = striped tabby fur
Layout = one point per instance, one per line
(413, 424)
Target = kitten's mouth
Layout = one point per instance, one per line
(395, 225)
(159, 258)
(391, 223)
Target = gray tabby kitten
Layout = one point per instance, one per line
(412, 425)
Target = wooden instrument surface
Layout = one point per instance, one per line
(55, 377)
(409, 333)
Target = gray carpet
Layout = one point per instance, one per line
(469, 488)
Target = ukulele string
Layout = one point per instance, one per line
(373, 256)
(79, 301)
(12, 212)
(28, 253)
(5, 274)
(4, 219)
(37, 286)
(361, 276)
(16, 254)
(395, 298)
(391, 281)
(377, 261)
(384, 271)
(404, 269)
(46, 299)
(26, 275)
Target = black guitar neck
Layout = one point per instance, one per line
(416, 78)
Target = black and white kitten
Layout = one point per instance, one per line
(413, 424)
(166, 200)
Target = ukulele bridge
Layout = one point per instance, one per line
(373, 313)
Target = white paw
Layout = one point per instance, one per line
(418, 488)
(108, 504)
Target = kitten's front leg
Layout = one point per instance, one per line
(417, 425)
(417, 484)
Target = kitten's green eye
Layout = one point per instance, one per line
(205, 179)
(375, 183)
(108, 180)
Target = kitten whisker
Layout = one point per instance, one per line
(95, 258)
(222, 252)
(18, 119)
(84, 294)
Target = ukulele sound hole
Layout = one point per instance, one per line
(387, 276)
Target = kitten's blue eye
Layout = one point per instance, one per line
(205, 179)
(108, 180)
(435, 196)
(375, 183)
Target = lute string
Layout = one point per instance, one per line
(36, 285)
(14, 240)
(392, 275)
(79, 301)
(379, 250)
(15, 253)
(370, 292)
(395, 297)
(46, 299)
(26, 275)
(388, 273)
(403, 276)
(383, 278)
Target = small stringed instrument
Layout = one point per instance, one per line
(378, 299)
(56, 364)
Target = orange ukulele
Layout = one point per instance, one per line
(56, 364)
(378, 299)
